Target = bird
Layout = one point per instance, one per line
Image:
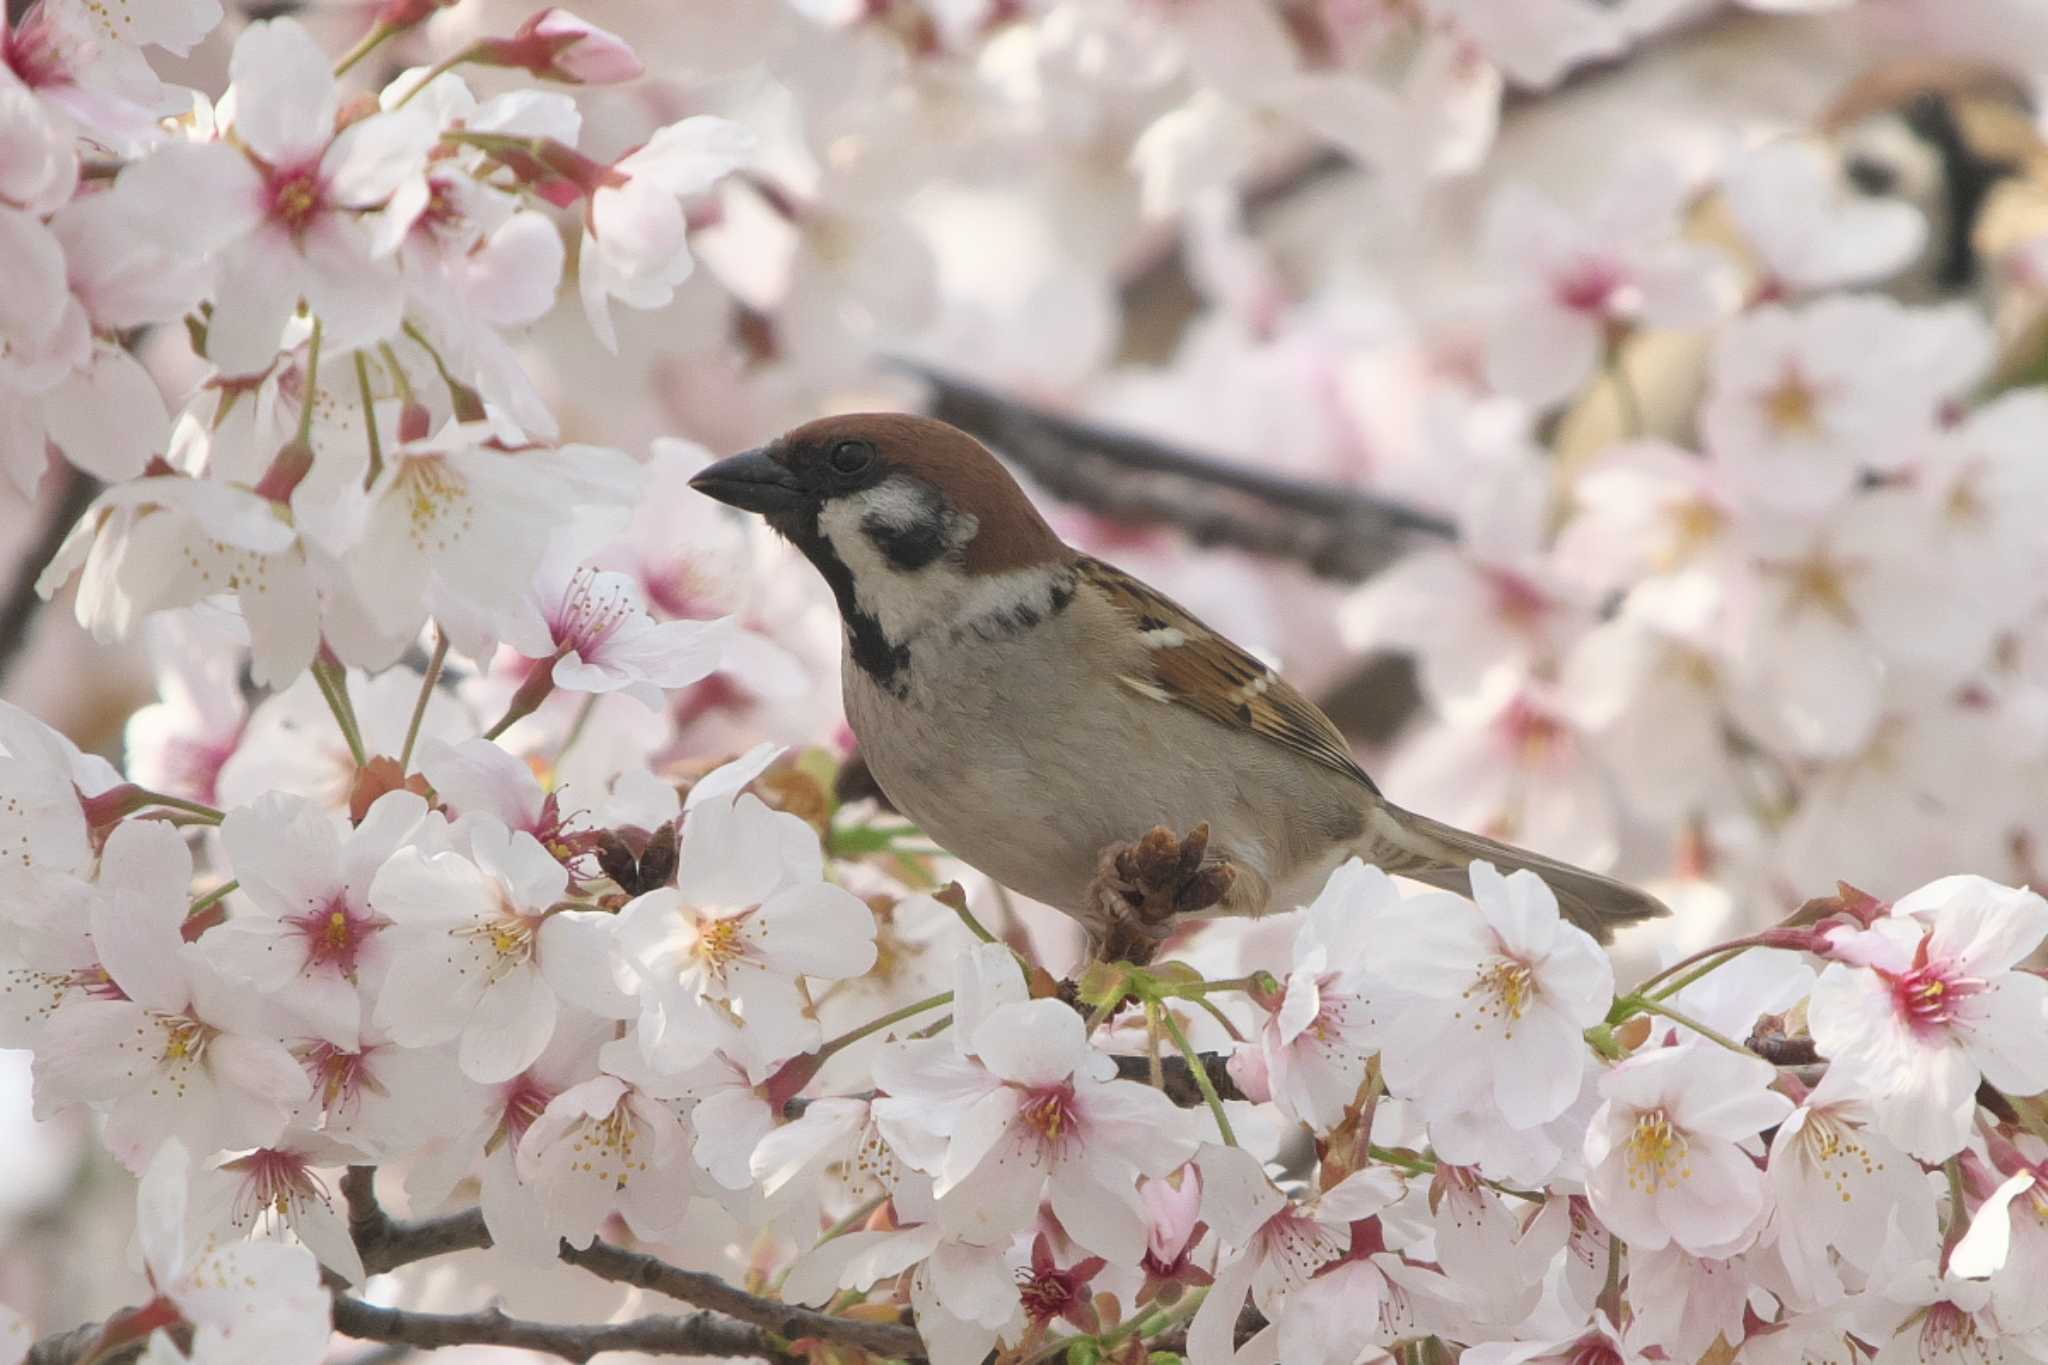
(1036, 711)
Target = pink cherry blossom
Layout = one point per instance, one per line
(279, 214)
(1045, 1122)
(1937, 1008)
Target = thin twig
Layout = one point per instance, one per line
(700, 1334)
(427, 684)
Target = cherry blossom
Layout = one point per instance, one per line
(243, 1300)
(1504, 974)
(1803, 400)
(174, 1051)
(476, 953)
(1837, 1185)
(1315, 1042)
(1935, 1007)
(310, 939)
(1576, 285)
(633, 237)
(720, 956)
(1043, 1121)
(1666, 1148)
(602, 1146)
(278, 214)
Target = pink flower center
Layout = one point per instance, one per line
(1050, 1292)
(1516, 600)
(1050, 1113)
(338, 1076)
(294, 196)
(1948, 1333)
(588, 614)
(34, 53)
(1927, 995)
(523, 1098)
(273, 1181)
(1593, 1350)
(1590, 286)
(335, 934)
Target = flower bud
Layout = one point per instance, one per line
(556, 45)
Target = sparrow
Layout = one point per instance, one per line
(1029, 706)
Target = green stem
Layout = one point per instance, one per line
(333, 684)
(212, 898)
(1207, 1086)
(434, 73)
(206, 813)
(369, 419)
(974, 926)
(427, 683)
(370, 42)
(1660, 1008)
(306, 399)
(1718, 955)
(1219, 1016)
(874, 1026)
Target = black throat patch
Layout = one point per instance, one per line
(867, 645)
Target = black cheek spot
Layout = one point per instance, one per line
(906, 547)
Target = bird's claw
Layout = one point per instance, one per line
(1145, 887)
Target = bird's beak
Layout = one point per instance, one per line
(751, 481)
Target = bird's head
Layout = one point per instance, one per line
(907, 518)
(1941, 135)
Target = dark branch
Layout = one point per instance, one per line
(700, 1334)
(63, 504)
(708, 1291)
(1337, 531)
(386, 1243)
(1180, 1084)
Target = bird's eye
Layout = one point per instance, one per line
(1871, 176)
(850, 457)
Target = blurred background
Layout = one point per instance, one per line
(1229, 283)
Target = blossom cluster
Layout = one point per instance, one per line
(486, 827)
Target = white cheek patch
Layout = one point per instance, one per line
(901, 601)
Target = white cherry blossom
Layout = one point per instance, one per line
(1667, 1150)
(719, 956)
(1935, 1007)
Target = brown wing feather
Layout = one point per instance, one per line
(1187, 664)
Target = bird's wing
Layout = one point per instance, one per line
(1184, 663)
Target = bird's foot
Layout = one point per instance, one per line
(1142, 890)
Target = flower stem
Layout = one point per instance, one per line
(332, 681)
(379, 33)
(305, 436)
(1207, 1086)
(369, 420)
(1718, 955)
(1660, 1008)
(213, 898)
(208, 814)
(434, 73)
(852, 1036)
(427, 683)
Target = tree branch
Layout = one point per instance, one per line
(1337, 531)
(64, 502)
(1181, 1086)
(791, 1321)
(386, 1243)
(700, 1334)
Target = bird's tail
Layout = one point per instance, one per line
(1411, 845)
